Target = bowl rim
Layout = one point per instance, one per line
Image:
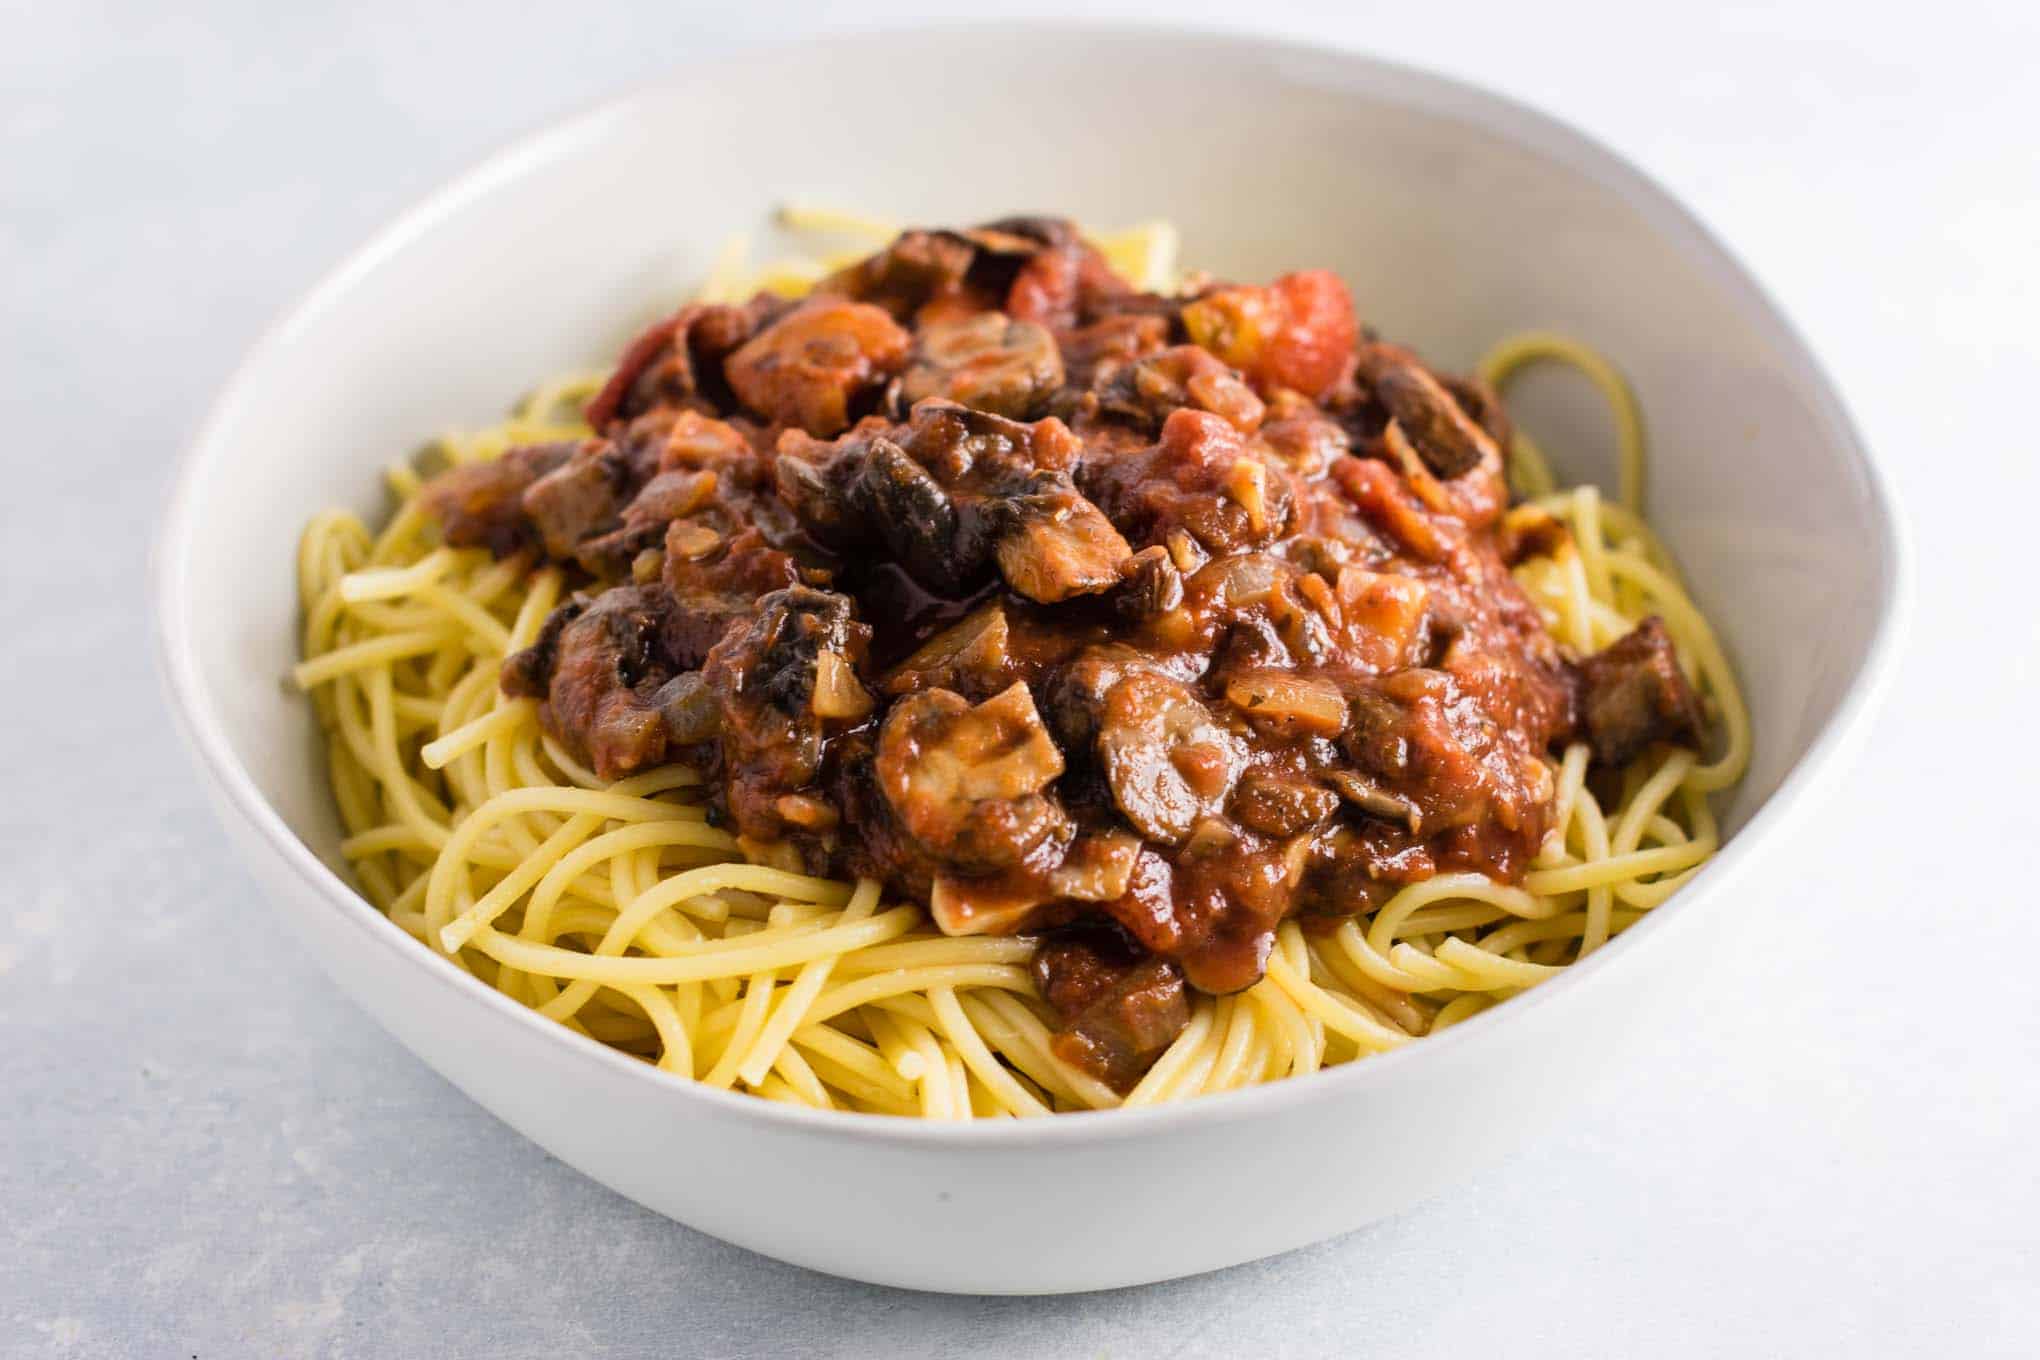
(198, 717)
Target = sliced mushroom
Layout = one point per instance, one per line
(597, 668)
(988, 361)
(1450, 442)
(1167, 760)
(1285, 702)
(763, 674)
(966, 782)
(1374, 800)
(967, 656)
(904, 277)
(1151, 584)
(1097, 867)
(962, 905)
(916, 519)
(1146, 390)
(1481, 402)
(1636, 694)
(810, 366)
(1054, 544)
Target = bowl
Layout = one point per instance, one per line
(1456, 215)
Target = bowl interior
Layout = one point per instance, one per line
(1455, 217)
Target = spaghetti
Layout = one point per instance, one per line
(621, 912)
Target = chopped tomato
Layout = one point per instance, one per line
(1298, 332)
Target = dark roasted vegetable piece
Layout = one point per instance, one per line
(914, 517)
(968, 656)
(1119, 1011)
(1147, 389)
(678, 361)
(1635, 694)
(777, 676)
(480, 505)
(1151, 584)
(956, 492)
(1450, 442)
(1052, 544)
(917, 268)
(596, 667)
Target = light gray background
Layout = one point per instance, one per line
(205, 1151)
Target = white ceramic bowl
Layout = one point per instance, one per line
(1457, 216)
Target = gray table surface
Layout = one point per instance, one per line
(205, 1151)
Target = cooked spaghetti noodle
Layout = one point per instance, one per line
(619, 911)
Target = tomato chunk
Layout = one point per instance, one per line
(1298, 332)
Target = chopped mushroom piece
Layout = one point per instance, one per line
(1450, 442)
(1371, 798)
(968, 656)
(597, 669)
(1151, 584)
(1118, 1011)
(966, 781)
(1635, 694)
(763, 674)
(1054, 544)
(1146, 390)
(988, 361)
(810, 366)
(917, 268)
(480, 505)
(1167, 760)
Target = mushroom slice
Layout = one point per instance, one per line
(1146, 390)
(1167, 760)
(807, 368)
(1374, 800)
(1450, 442)
(965, 656)
(1056, 544)
(1097, 867)
(965, 782)
(1286, 702)
(988, 361)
